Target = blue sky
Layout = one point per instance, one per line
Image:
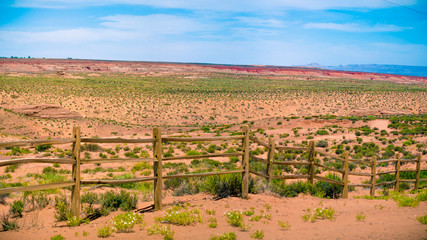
(267, 32)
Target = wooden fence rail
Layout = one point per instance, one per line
(157, 140)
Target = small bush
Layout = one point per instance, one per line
(226, 185)
(422, 219)
(234, 218)
(192, 153)
(43, 147)
(126, 221)
(74, 221)
(284, 225)
(258, 234)
(322, 143)
(57, 237)
(105, 231)
(322, 132)
(91, 147)
(360, 217)
(319, 213)
(330, 190)
(212, 223)
(224, 236)
(179, 216)
(157, 229)
(8, 224)
(112, 201)
(11, 168)
(38, 200)
(16, 208)
(62, 207)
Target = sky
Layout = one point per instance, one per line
(267, 32)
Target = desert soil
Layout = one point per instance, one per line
(384, 220)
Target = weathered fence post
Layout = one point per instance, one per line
(417, 178)
(271, 145)
(345, 176)
(245, 162)
(374, 175)
(75, 191)
(157, 168)
(311, 168)
(397, 173)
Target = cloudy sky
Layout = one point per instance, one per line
(267, 32)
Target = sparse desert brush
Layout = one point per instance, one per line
(125, 201)
(7, 223)
(57, 237)
(360, 217)
(258, 234)
(235, 219)
(224, 236)
(126, 221)
(212, 223)
(105, 231)
(284, 225)
(319, 214)
(180, 215)
(422, 219)
(158, 229)
(16, 208)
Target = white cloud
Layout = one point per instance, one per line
(221, 5)
(68, 36)
(116, 28)
(353, 27)
(261, 22)
(155, 23)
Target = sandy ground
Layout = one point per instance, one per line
(384, 220)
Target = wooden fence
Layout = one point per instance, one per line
(157, 140)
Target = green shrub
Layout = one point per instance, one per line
(141, 166)
(258, 234)
(235, 218)
(226, 185)
(37, 199)
(284, 225)
(330, 190)
(212, 223)
(43, 147)
(322, 132)
(422, 219)
(11, 168)
(47, 170)
(192, 153)
(126, 221)
(157, 229)
(179, 215)
(105, 231)
(57, 237)
(322, 143)
(224, 236)
(8, 224)
(319, 213)
(16, 208)
(112, 201)
(91, 147)
(74, 221)
(62, 207)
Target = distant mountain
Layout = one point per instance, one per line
(420, 71)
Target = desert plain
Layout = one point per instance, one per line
(366, 114)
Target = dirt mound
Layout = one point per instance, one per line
(45, 111)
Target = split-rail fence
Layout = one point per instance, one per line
(158, 159)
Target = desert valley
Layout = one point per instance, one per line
(319, 120)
